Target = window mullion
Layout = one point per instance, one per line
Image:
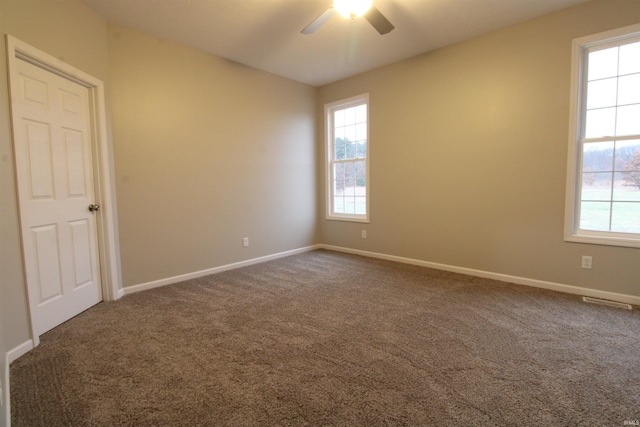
(610, 138)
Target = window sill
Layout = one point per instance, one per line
(603, 240)
(347, 219)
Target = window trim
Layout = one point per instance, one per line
(580, 48)
(328, 146)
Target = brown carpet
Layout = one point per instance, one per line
(324, 338)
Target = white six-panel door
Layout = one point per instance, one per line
(55, 188)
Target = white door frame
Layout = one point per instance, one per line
(107, 245)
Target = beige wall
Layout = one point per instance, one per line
(207, 151)
(468, 153)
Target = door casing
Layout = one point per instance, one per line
(102, 171)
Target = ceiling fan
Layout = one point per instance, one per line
(352, 9)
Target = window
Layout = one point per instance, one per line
(348, 159)
(603, 185)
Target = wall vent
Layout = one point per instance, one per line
(607, 303)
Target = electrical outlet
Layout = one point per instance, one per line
(586, 262)
(364, 234)
(245, 242)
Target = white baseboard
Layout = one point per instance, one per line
(12, 355)
(18, 351)
(568, 289)
(181, 278)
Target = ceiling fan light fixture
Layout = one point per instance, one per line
(352, 8)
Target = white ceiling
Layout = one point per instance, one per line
(265, 34)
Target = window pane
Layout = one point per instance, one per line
(630, 58)
(338, 177)
(349, 205)
(361, 149)
(341, 150)
(350, 116)
(628, 90)
(361, 170)
(350, 187)
(338, 185)
(596, 186)
(354, 150)
(601, 123)
(350, 133)
(338, 133)
(597, 156)
(349, 171)
(360, 199)
(628, 156)
(361, 132)
(628, 122)
(625, 217)
(603, 64)
(626, 187)
(602, 93)
(338, 204)
(595, 216)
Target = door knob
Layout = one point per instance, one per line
(94, 208)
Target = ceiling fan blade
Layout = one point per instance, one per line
(378, 20)
(319, 21)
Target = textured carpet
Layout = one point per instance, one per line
(324, 338)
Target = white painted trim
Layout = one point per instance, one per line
(181, 278)
(607, 37)
(559, 287)
(7, 392)
(10, 357)
(111, 286)
(328, 146)
(568, 289)
(579, 51)
(20, 350)
(109, 271)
